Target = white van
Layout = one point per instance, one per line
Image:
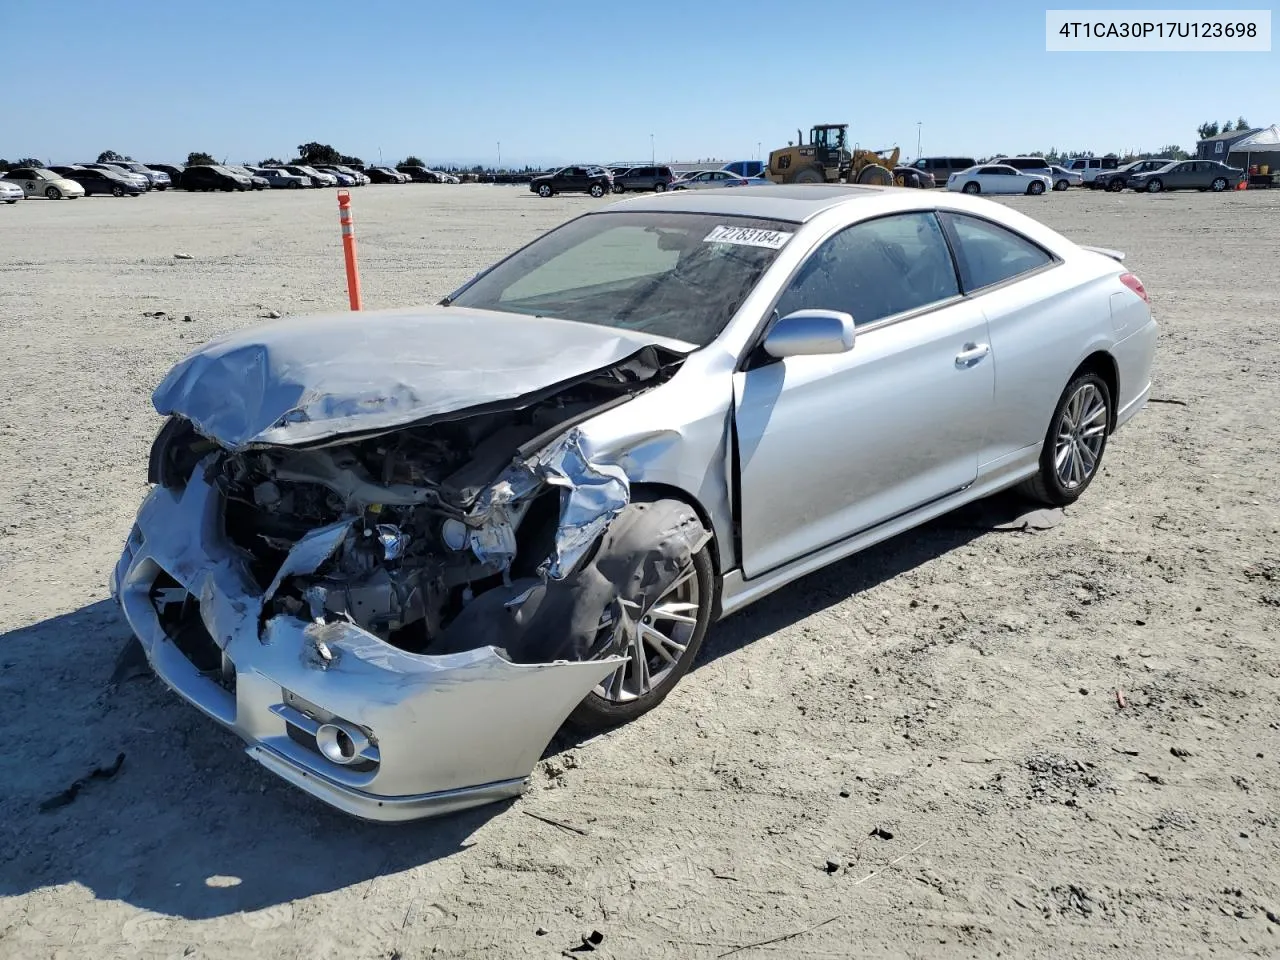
(1090, 167)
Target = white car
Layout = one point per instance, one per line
(1064, 178)
(10, 192)
(39, 182)
(998, 178)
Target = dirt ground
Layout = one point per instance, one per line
(918, 752)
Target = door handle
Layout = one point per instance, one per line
(972, 354)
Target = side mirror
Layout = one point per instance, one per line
(810, 332)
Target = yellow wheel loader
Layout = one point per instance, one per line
(826, 158)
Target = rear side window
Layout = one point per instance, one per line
(989, 254)
(876, 269)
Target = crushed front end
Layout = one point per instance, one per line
(396, 624)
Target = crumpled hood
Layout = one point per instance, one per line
(306, 379)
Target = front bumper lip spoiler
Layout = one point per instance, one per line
(451, 731)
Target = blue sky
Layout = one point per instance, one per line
(244, 80)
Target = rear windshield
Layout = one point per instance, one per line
(677, 275)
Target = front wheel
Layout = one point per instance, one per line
(659, 187)
(1115, 186)
(1155, 186)
(660, 644)
(972, 188)
(597, 190)
(1035, 188)
(1074, 444)
(53, 193)
(1218, 185)
(544, 190)
(1061, 185)
(117, 191)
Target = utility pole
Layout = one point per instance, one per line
(919, 123)
(653, 154)
(499, 154)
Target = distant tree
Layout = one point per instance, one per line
(1243, 124)
(28, 162)
(198, 159)
(412, 161)
(110, 156)
(1208, 129)
(271, 162)
(1227, 127)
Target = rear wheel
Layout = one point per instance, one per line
(1061, 185)
(809, 175)
(1155, 186)
(294, 185)
(971, 187)
(1115, 186)
(597, 190)
(1218, 185)
(1075, 442)
(117, 191)
(544, 190)
(659, 187)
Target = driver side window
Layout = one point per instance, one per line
(875, 270)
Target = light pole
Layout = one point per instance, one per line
(918, 125)
(653, 154)
(499, 154)
(758, 154)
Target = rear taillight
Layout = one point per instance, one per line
(1134, 284)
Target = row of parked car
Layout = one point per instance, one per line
(598, 180)
(128, 178)
(1035, 175)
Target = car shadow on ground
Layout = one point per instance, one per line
(189, 827)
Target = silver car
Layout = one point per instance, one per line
(395, 576)
(10, 192)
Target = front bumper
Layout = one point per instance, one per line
(445, 732)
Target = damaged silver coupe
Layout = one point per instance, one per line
(396, 551)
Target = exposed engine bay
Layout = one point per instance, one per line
(439, 516)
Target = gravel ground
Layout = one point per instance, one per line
(917, 752)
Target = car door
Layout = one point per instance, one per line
(829, 446)
(1181, 176)
(1033, 328)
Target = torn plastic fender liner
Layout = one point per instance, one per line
(644, 550)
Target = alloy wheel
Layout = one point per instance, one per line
(1082, 431)
(653, 640)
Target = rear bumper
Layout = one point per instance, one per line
(445, 732)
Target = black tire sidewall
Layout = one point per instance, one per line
(1057, 493)
(977, 188)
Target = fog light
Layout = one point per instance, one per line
(340, 743)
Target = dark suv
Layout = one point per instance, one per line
(642, 178)
(596, 181)
(214, 178)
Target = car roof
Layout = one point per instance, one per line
(796, 202)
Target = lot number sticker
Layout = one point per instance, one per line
(748, 237)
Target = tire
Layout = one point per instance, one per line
(11, 201)
(1035, 188)
(544, 190)
(1155, 186)
(1115, 186)
(1048, 485)
(659, 187)
(598, 712)
(808, 175)
(971, 188)
(619, 188)
(1061, 185)
(118, 191)
(53, 193)
(875, 175)
(596, 190)
(295, 185)
(1218, 185)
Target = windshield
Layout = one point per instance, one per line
(677, 275)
